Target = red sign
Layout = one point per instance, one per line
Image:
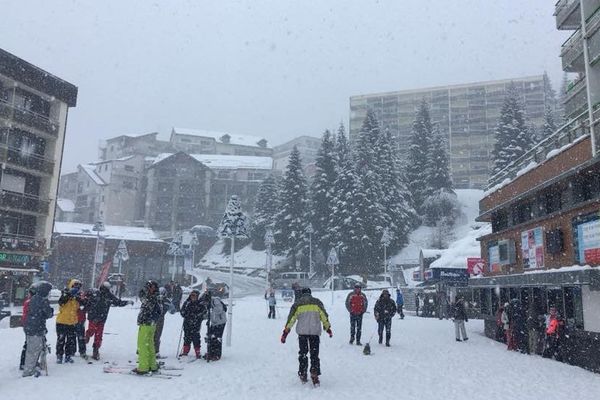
(592, 256)
(104, 273)
(475, 265)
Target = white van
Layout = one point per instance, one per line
(286, 279)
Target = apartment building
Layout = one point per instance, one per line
(308, 146)
(197, 141)
(33, 116)
(468, 114)
(146, 144)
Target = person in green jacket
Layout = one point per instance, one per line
(150, 312)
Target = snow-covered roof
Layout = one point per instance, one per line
(432, 253)
(90, 169)
(222, 161)
(455, 256)
(111, 231)
(237, 139)
(65, 205)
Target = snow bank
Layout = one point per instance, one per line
(244, 258)
(110, 232)
(467, 246)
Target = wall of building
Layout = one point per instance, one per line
(591, 305)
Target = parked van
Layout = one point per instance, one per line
(286, 279)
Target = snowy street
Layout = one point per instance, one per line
(424, 362)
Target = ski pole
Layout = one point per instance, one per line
(179, 343)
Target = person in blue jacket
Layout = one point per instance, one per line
(399, 303)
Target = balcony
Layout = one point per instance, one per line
(24, 202)
(593, 35)
(576, 99)
(16, 157)
(31, 119)
(568, 14)
(572, 53)
(21, 243)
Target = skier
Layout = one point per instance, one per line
(30, 294)
(35, 327)
(356, 304)
(66, 320)
(193, 311)
(400, 302)
(166, 306)
(149, 314)
(272, 302)
(98, 306)
(384, 310)
(216, 327)
(460, 317)
(177, 295)
(310, 314)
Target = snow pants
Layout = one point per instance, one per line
(95, 329)
(400, 312)
(158, 333)
(145, 348)
(35, 347)
(387, 324)
(191, 335)
(459, 327)
(80, 335)
(309, 343)
(65, 340)
(355, 327)
(215, 342)
(271, 312)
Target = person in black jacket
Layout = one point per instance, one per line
(98, 306)
(385, 309)
(193, 311)
(35, 327)
(149, 313)
(460, 317)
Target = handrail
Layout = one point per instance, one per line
(32, 155)
(29, 112)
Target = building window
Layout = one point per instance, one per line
(224, 175)
(522, 213)
(499, 221)
(129, 168)
(165, 187)
(128, 185)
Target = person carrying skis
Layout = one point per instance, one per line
(149, 314)
(399, 303)
(216, 326)
(166, 306)
(193, 311)
(384, 310)
(66, 320)
(35, 327)
(98, 306)
(272, 302)
(310, 314)
(356, 304)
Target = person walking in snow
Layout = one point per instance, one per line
(193, 312)
(356, 304)
(149, 313)
(166, 306)
(38, 312)
(66, 320)
(80, 325)
(506, 324)
(272, 302)
(554, 333)
(216, 327)
(310, 314)
(98, 306)
(400, 303)
(384, 311)
(460, 317)
(30, 294)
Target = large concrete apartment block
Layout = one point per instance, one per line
(308, 146)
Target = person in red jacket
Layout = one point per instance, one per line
(30, 294)
(554, 333)
(356, 304)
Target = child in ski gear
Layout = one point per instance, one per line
(385, 309)
(166, 306)
(216, 326)
(554, 333)
(149, 314)
(98, 306)
(311, 315)
(66, 320)
(400, 303)
(193, 311)
(460, 317)
(356, 304)
(35, 327)
(272, 302)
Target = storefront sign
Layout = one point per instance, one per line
(494, 255)
(15, 258)
(532, 248)
(588, 241)
(475, 265)
(452, 276)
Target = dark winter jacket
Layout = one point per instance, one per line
(150, 310)
(385, 308)
(193, 312)
(356, 303)
(98, 304)
(39, 311)
(460, 312)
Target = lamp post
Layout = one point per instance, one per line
(98, 256)
(386, 239)
(174, 250)
(310, 230)
(269, 242)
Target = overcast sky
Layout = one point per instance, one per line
(276, 69)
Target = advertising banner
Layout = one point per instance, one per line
(100, 250)
(588, 242)
(532, 248)
(475, 265)
(494, 255)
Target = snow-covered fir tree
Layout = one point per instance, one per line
(438, 168)
(322, 193)
(265, 208)
(549, 126)
(291, 219)
(513, 138)
(418, 156)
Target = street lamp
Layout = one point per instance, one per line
(310, 230)
(99, 253)
(269, 241)
(174, 250)
(386, 239)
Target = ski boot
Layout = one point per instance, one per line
(59, 359)
(96, 354)
(315, 379)
(303, 377)
(68, 360)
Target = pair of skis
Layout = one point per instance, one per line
(165, 371)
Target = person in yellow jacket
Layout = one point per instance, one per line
(66, 321)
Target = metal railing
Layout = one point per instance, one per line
(571, 50)
(15, 156)
(24, 202)
(563, 9)
(18, 242)
(576, 99)
(28, 118)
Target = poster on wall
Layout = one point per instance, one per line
(532, 248)
(494, 254)
(588, 242)
(475, 265)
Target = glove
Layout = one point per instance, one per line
(329, 332)
(286, 331)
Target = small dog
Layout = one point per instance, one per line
(367, 349)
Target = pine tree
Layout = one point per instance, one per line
(438, 169)
(291, 218)
(512, 135)
(562, 96)
(322, 193)
(549, 126)
(418, 155)
(264, 212)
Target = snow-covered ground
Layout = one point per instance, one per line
(244, 258)
(424, 362)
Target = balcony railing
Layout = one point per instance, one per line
(15, 242)
(572, 53)
(24, 202)
(567, 14)
(12, 155)
(576, 100)
(28, 118)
